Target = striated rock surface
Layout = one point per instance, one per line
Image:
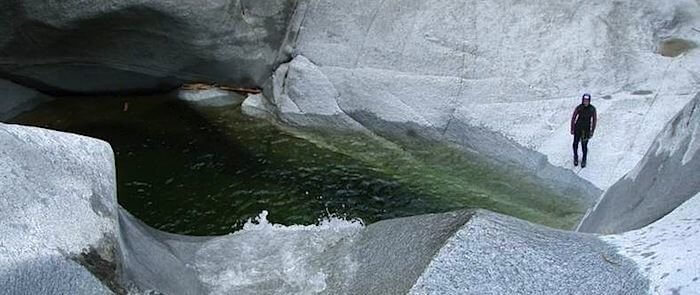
(140, 45)
(667, 176)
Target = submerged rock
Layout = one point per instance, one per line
(300, 101)
(15, 99)
(137, 45)
(210, 97)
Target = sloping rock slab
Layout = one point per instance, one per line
(667, 176)
(667, 250)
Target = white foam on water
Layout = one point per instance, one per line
(330, 222)
(267, 258)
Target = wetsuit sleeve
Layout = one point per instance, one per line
(573, 119)
(594, 120)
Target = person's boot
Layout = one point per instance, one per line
(575, 160)
(583, 163)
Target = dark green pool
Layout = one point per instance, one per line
(206, 171)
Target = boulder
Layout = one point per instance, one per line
(496, 254)
(157, 261)
(58, 213)
(140, 45)
(302, 96)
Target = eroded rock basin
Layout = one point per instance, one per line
(206, 170)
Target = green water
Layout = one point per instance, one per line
(205, 171)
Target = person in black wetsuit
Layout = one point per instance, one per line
(582, 127)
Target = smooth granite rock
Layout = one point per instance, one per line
(496, 254)
(157, 261)
(513, 67)
(141, 45)
(667, 176)
(58, 215)
(666, 251)
(464, 252)
(455, 71)
(304, 95)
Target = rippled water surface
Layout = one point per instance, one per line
(205, 171)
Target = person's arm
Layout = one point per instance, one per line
(594, 120)
(573, 119)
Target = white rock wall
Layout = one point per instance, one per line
(518, 68)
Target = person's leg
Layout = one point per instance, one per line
(577, 137)
(584, 148)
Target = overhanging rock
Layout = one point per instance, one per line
(140, 45)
